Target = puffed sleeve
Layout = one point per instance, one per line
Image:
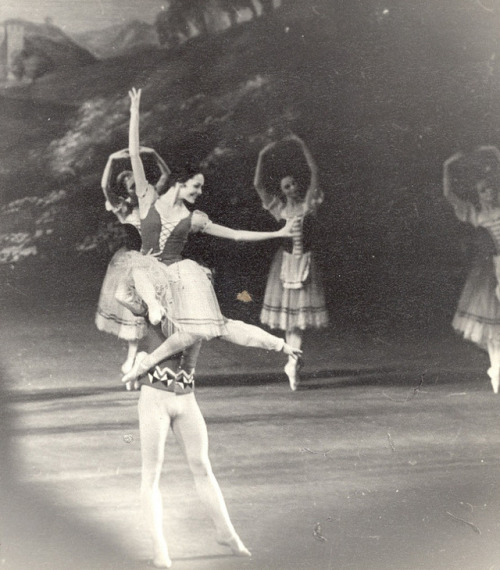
(274, 207)
(199, 221)
(465, 212)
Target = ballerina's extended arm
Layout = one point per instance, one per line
(145, 192)
(244, 235)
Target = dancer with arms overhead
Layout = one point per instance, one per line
(294, 299)
(477, 316)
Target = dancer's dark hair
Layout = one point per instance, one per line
(183, 173)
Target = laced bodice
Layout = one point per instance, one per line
(166, 237)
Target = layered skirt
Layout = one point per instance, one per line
(299, 308)
(185, 290)
(478, 313)
(111, 316)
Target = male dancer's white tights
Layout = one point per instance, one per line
(158, 411)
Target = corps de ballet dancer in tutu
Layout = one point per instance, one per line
(112, 316)
(294, 299)
(179, 291)
(477, 316)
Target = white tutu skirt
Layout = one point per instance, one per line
(111, 316)
(478, 313)
(185, 290)
(288, 309)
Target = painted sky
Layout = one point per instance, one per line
(81, 15)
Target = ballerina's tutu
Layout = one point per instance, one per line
(286, 309)
(185, 290)
(478, 313)
(111, 316)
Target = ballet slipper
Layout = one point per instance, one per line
(291, 370)
(127, 365)
(495, 379)
(162, 560)
(135, 385)
(138, 369)
(236, 545)
(156, 313)
(293, 367)
(161, 557)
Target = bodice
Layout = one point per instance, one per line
(302, 239)
(166, 238)
(302, 235)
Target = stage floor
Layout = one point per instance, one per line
(388, 458)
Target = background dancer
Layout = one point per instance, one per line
(112, 316)
(294, 299)
(477, 316)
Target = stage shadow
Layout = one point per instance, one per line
(36, 531)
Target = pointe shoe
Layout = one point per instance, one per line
(236, 545)
(127, 365)
(495, 379)
(161, 557)
(291, 370)
(156, 313)
(132, 386)
(162, 561)
(137, 370)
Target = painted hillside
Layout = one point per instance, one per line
(382, 92)
(118, 40)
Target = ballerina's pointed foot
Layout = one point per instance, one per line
(156, 313)
(138, 369)
(161, 557)
(236, 545)
(292, 371)
(162, 560)
(127, 365)
(495, 379)
(495, 383)
(132, 386)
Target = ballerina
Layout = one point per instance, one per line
(115, 314)
(477, 316)
(294, 299)
(180, 291)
